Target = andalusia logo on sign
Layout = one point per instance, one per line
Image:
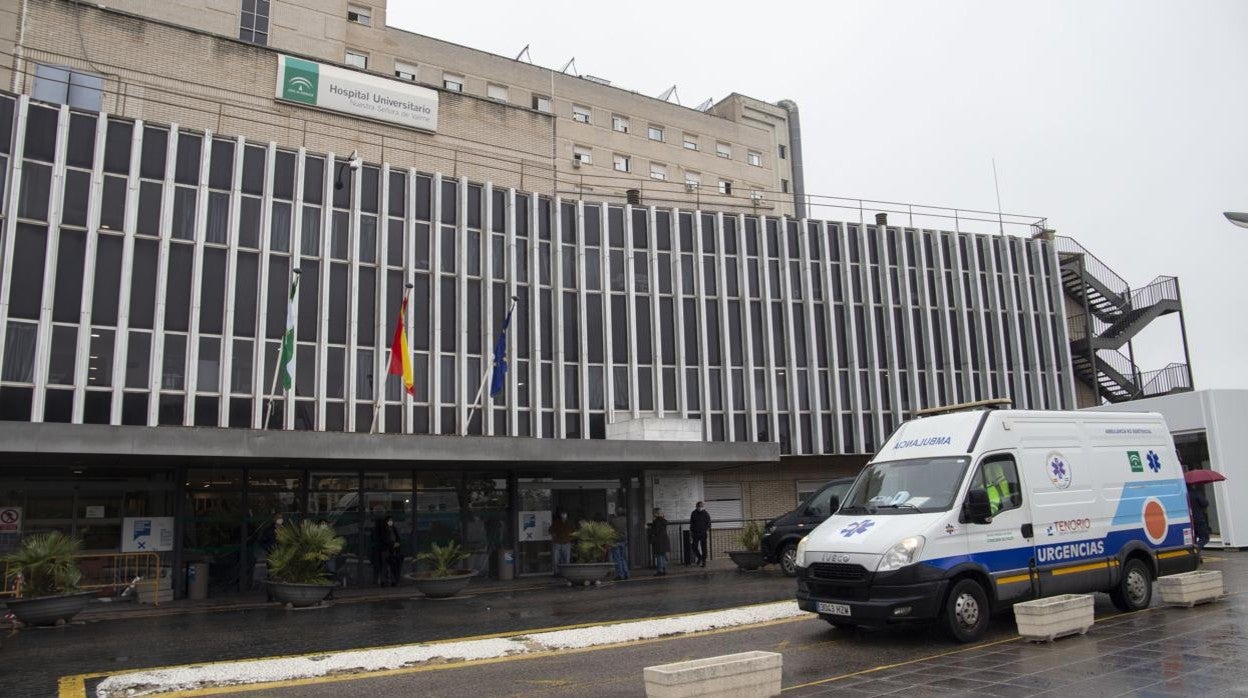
(300, 80)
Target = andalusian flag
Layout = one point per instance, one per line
(400, 354)
(287, 362)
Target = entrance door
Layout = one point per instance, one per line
(581, 505)
(540, 502)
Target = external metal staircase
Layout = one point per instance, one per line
(1113, 314)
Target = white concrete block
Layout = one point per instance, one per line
(1190, 588)
(744, 675)
(1055, 616)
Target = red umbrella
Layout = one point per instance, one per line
(1200, 477)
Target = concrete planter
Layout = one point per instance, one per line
(1190, 588)
(744, 675)
(747, 559)
(1054, 617)
(442, 587)
(50, 610)
(586, 572)
(299, 595)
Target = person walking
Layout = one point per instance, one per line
(699, 528)
(619, 551)
(659, 542)
(561, 531)
(1199, 504)
(387, 553)
(266, 540)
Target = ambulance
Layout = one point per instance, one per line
(969, 509)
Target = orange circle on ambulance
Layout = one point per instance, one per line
(1155, 522)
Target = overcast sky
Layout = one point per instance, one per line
(1125, 124)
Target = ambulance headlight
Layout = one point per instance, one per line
(801, 551)
(902, 554)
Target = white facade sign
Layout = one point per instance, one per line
(675, 492)
(359, 94)
(10, 519)
(534, 526)
(150, 534)
(95, 512)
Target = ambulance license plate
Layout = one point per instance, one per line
(836, 609)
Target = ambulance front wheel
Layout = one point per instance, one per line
(1135, 590)
(965, 615)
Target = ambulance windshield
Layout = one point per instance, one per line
(906, 486)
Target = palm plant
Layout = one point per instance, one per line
(301, 552)
(593, 541)
(751, 537)
(46, 563)
(443, 559)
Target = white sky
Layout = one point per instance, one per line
(1124, 123)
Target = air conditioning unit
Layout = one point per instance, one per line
(691, 187)
(756, 197)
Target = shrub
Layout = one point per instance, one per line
(593, 541)
(751, 537)
(443, 559)
(302, 551)
(46, 563)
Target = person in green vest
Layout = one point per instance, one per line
(998, 486)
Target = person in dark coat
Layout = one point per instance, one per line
(1199, 504)
(659, 542)
(266, 540)
(387, 553)
(699, 528)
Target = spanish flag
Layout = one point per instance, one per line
(400, 354)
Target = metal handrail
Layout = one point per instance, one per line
(1093, 264)
(1166, 380)
(125, 570)
(676, 536)
(1163, 288)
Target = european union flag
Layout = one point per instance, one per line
(497, 381)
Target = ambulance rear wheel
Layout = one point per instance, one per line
(1135, 590)
(965, 616)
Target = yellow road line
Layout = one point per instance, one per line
(898, 664)
(340, 678)
(73, 686)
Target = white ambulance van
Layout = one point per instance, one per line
(963, 513)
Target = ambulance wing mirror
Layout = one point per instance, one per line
(977, 508)
(834, 503)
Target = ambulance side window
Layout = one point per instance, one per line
(998, 476)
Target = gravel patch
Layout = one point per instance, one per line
(238, 673)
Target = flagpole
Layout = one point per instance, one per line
(277, 369)
(389, 355)
(485, 377)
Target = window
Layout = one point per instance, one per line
(620, 163)
(496, 92)
(693, 180)
(658, 171)
(68, 86)
(784, 186)
(691, 142)
(357, 59)
(723, 150)
(784, 151)
(405, 71)
(453, 82)
(253, 25)
(580, 114)
(723, 502)
(821, 504)
(583, 155)
(655, 133)
(619, 123)
(725, 187)
(360, 15)
(542, 103)
(755, 158)
(998, 476)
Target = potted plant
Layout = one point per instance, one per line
(297, 575)
(49, 592)
(592, 554)
(444, 578)
(751, 539)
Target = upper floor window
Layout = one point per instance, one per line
(658, 171)
(655, 133)
(784, 151)
(784, 186)
(542, 103)
(68, 86)
(253, 25)
(452, 82)
(725, 187)
(580, 114)
(359, 59)
(360, 15)
(496, 92)
(755, 158)
(723, 150)
(405, 71)
(583, 155)
(693, 180)
(620, 163)
(619, 123)
(691, 142)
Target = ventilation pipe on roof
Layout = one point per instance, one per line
(795, 153)
(881, 219)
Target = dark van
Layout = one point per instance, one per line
(782, 534)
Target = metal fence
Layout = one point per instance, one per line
(722, 538)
